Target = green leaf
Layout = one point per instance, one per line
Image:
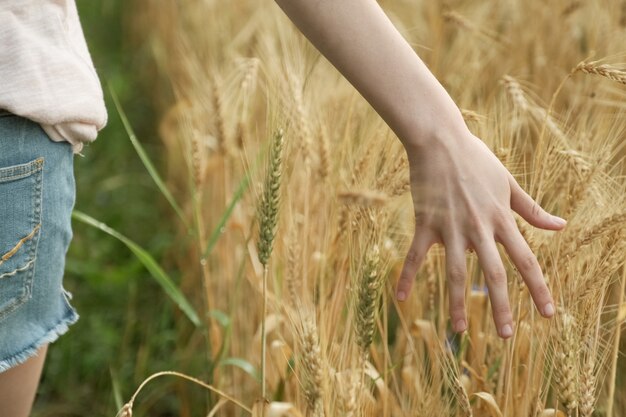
(146, 160)
(243, 186)
(241, 189)
(117, 392)
(244, 365)
(148, 261)
(221, 317)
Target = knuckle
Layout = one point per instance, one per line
(456, 276)
(412, 258)
(406, 276)
(536, 209)
(477, 227)
(502, 217)
(501, 311)
(541, 292)
(420, 218)
(457, 309)
(474, 221)
(528, 263)
(497, 276)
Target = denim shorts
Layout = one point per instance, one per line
(37, 194)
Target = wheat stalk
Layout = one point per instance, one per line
(268, 219)
(615, 348)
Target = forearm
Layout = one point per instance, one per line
(361, 42)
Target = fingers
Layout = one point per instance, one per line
(496, 279)
(532, 212)
(526, 263)
(419, 247)
(456, 273)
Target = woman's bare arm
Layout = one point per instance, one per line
(361, 42)
(462, 193)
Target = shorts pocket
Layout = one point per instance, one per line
(20, 224)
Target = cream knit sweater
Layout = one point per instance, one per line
(46, 72)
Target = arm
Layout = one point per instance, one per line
(462, 194)
(359, 40)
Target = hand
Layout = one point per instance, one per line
(462, 193)
(463, 197)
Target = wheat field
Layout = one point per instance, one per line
(308, 190)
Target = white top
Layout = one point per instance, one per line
(46, 72)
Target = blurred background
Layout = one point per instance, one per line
(121, 308)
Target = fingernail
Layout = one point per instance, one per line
(401, 296)
(459, 326)
(548, 310)
(559, 221)
(506, 331)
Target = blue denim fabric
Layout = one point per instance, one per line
(37, 194)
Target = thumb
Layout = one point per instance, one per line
(531, 211)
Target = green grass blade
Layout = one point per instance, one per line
(148, 261)
(241, 188)
(225, 321)
(221, 317)
(117, 392)
(244, 365)
(146, 160)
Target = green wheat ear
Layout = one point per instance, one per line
(270, 200)
(367, 295)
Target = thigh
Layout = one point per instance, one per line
(19, 384)
(37, 194)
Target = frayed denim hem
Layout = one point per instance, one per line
(51, 336)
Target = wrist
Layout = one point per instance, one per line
(420, 133)
(427, 113)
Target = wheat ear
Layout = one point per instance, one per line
(268, 218)
(311, 364)
(367, 295)
(603, 70)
